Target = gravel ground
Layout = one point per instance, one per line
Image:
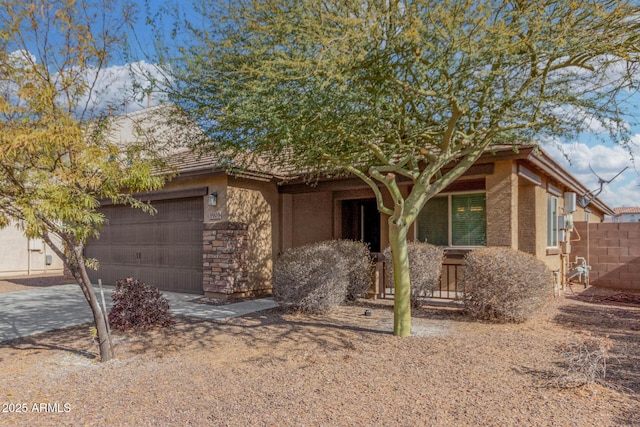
(345, 369)
(24, 283)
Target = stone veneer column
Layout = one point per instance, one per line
(225, 259)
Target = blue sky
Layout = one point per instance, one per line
(589, 151)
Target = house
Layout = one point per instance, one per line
(20, 256)
(626, 214)
(218, 232)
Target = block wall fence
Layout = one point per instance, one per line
(613, 251)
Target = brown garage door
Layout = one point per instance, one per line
(163, 250)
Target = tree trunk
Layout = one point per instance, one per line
(73, 257)
(81, 276)
(401, 280)
(106, 350)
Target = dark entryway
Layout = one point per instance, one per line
(361, 221)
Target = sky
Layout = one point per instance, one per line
(584, 157)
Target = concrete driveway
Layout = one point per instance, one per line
(33, 311)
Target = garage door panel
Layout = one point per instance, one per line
(164, 250)
(170, 256)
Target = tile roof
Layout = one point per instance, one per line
(266, 166)
(186, 161)
(626, 210)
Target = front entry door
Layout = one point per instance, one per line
(361, 221)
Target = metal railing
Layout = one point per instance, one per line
(450, 280)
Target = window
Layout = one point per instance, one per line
(454, 220)
(552, 221)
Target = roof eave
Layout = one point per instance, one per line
(540, 159)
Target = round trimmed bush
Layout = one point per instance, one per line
(319, 277)
(505, 285)
(425, 267)
(138, 305)
(359, 264)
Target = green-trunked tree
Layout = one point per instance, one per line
(388, 90)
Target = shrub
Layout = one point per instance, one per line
(425, 266)
(138, 305)
(311, 278)
(359, 266)
(586, 362)
(505, 285)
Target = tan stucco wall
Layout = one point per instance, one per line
(310, 219)
(594, 216)
(19, 256)
(256, 204)
(527, 216)
(215, 183)
(502, 205)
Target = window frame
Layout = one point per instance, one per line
(553, 242)
(449, 196)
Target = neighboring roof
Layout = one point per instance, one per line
(626, 210)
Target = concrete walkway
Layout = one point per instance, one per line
(25, 313)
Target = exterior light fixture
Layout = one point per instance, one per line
(213, 199)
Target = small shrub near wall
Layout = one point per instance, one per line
(319, 277)
(359, 264)
(505, 285)
(138, 305)
(425, 267)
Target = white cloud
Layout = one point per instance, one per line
(119, 88)
(124, 88)
(588, 121)
(606, 161)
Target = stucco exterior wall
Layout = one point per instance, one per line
(256, 204)
(502, 205)
(215, 183)
(311, 218)
(527, 216)
(20, 256)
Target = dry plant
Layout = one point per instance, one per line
(319, 277)
(360, 266)
(425, 265)
(586, 361)
(505, 285)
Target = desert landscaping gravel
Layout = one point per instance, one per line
(274, 368)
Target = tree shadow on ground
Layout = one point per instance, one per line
(268, 328)
(75, 340)
(446, 310)
(621, 324)
(278, 326)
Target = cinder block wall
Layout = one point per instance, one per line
(612, 250)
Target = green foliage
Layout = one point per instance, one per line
(58, 158)
(388, 90)
(386, 83)
(425, 266)
(505, 285)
